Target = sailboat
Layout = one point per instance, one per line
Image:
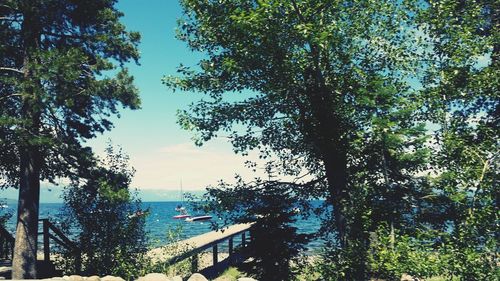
(181, 209)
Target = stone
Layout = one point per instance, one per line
(154, 277)
(176, 278)
(75, 278)
(93, 278)
(246, 279)
(224, 278)
(197, 277)
(111, 278)
(406, 277)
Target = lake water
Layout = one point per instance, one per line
(160, 221)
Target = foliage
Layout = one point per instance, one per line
(230, 274)
(272, 208)
(395, 255)
(461, 96)
(112, 237)
(391, 108)
(5, 214)
(321, 89)
(72, 78)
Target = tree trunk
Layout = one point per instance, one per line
(336, 174)
(25, 247)
(24, 260)
(329, 134)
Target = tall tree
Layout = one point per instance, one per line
(461, 89)
(61, 76)
(302, 74)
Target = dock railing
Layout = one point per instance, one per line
(51, 232)
(190, 248)
(6, 244)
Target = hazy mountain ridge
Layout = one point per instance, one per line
(53, 193)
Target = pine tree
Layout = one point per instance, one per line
(61, 76)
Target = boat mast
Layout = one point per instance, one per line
(182, 194)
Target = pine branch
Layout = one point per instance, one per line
(63, 35)
(8, 96)
(11, 69)
(8, 7)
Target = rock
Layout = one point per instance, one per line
(406, 277)
(111, 278)
(197, 277)
(246, 279)
(93, 278)
(224, 278)
(75, 278)
(176, 278)
(154, 277)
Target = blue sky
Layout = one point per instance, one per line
(161, 152)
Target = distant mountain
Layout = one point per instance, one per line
(52, 194)
(8, 201)
(158, 195)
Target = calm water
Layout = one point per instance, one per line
(160, 221)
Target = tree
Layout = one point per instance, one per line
(462, 99)
(272, 208)
(61, 76)
(112, 237)
(303, 74)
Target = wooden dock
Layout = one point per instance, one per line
(190, 248)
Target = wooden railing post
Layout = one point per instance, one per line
(78, 261)
(230, 245)
(215, 254)
(52, 232)
(3, 247)
(6, 244)
(194, 263)
(46, 243)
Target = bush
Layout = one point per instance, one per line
(417, 256)
(108, 217)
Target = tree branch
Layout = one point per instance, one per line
(297, 10)
(8, 7)
(8, 96)
(481, 177)
(11, 69)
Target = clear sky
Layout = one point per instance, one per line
(161, 152)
